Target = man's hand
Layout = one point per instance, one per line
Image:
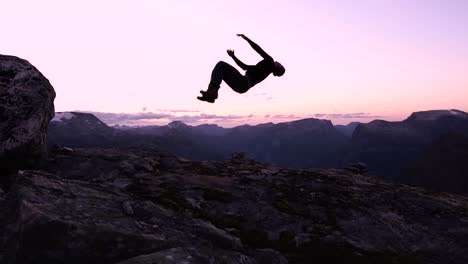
(230, 52)
(256, 47)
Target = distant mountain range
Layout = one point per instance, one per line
(428, 148)
(404, 151)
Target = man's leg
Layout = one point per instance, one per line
(230, 75)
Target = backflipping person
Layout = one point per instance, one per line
(238, 82)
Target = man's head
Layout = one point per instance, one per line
(279, 69)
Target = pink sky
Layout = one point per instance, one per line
(384, 58)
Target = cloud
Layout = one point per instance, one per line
(177, 110)
(163, 118)
(286, 116)
(345, 115)
(211, 117)
(115, 118)
(269, 98)
(148, 118)
(324, 116)
(319, 115)
(258, 94)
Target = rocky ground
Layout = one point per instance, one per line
(140, 206)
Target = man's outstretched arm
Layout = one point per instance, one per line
(238, 62)
(256, 47)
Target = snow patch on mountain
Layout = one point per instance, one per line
(458, 113)
(61, 116)
(436, 114)
(177, 124)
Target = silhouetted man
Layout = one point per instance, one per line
(238, 82)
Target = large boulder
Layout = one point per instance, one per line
(26, 107)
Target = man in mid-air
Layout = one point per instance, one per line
(238, 82)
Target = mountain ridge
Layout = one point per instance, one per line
(303, 143)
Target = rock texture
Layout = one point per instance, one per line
(142, 206)
(26, 107)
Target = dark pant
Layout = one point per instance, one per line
(230, 75)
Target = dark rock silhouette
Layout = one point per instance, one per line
(392, 149)
(79, 124)
(396, 151)
(26, 106)
(191, 255)
(108, 205)
(348, 129)
(443, 165)
(302, 143)
(69, 127)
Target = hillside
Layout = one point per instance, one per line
(107, 205)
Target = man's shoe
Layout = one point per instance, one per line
(208, 96)
(206, 99)
(211, 94)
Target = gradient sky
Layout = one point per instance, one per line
(345, 60)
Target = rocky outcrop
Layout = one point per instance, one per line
(142, 206)
(26, 107)
(193, 255)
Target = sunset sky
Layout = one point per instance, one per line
(144, 62)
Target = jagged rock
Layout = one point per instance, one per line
(2, 198)
(112, 166)
(53, 220)
(26, 107)
(170, 163)
(204, 255)
(238, 155)
(217, 195)
(357, 168)
(191, 256)
(273, 214)
(127, 208)
(66, 149)
(57, 220)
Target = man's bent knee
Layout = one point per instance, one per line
(221, 63)
(240, 90)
